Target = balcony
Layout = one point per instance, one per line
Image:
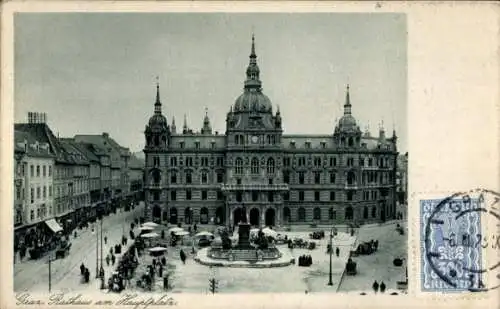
(255, 187)
(154, 186)
(351, 186)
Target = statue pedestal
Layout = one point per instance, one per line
(244, 235)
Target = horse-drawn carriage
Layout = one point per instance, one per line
(366, 248)
(63, 250)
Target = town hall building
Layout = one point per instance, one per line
(257, 174)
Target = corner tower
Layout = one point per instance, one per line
(157, 134)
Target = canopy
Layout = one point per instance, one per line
(150, 224)
(54, 226)
(150, 235)
(204, 233)
(145, 228)
(268, 232)
(175, 229)
(181, 233)
(157, 249)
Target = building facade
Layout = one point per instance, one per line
(33, 185)
(80, 183)
(255, 173)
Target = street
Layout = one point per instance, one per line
(33, 275)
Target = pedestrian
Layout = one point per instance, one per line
(382, 287)
(375, 286)
(107, 259)
(113, 259)
(337, 252)
(154, 262)
(183, 256)
(160, 270)
(82, 269)
(111, 250)
(105, 240)
(163, 261)
(195, 228)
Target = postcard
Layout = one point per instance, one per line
(272, 154)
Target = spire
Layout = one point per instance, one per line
(157, 102)
(252, 53)
(347, 105)
(173, 127)
(278, 110)
(185, 126)
(207, 129)
(253, 71)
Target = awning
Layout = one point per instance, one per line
(54, 226)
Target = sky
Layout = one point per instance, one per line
(96, 72)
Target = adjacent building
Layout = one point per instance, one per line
(402, 179)
(80, 183)
(33, 185)
(258, 174)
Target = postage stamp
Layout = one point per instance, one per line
(454, 242)
(162, 154)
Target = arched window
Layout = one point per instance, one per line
(332, 214)
(374, 212)
(348, 213)
(157, 140)
(270, 166)
(236, 139)
(204, 177)
(365, 213)
(254, 166)
(189, 177)
(239, 166)
(301, 214)
(173, 177)
(351, 178)
(156, 176)
(317, 213)
(351, 142)
(204, 215)
(286, 214)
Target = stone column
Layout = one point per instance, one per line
(263, 217)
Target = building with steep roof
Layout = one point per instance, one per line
(33, 185)
(255, 173)
(81, 172)
(64, 209)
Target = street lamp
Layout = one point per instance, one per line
(96, 252)
(50, 273)
(330, 282)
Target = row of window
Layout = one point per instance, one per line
(41, 171)
(254, 166)
(367, 177)
(240, 139)
(188, 194)
(41, 192)
(301, 161)
(255, 196)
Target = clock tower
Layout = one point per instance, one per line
(254, 184)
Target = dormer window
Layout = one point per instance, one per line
(197, 145)
(213, 144)
(292, 144)
(181, 145)
(323, 145)
(308, 145)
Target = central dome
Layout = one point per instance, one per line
(158, 120)
(347, 122)
(253, 100)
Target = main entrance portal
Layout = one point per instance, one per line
(254, 216)
(270, 217)
(239, 215)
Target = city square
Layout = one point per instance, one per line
(128, 200)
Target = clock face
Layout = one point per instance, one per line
(255, 139)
